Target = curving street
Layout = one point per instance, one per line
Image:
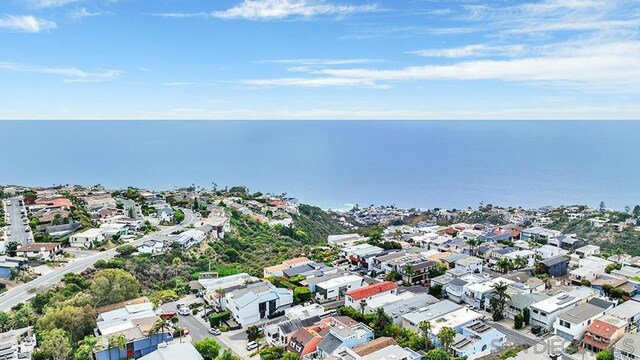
(26, 291)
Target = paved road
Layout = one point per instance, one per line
(515, 336)
(26, 291)
(17, 227)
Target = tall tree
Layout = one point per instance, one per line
(499, 300)
(425, 329)
(446, 335)
(111, 286)
(208, 348)
(56, 344)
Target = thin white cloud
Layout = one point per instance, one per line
(51, 3)
(82, 13)
(179, 15)
(319, 62)
(71, 74)
(602, 67)
(476, 50)
(25, 23)
(280, 9)
(184, 83)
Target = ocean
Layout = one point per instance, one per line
(332, 164)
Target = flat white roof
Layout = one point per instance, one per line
(341, 280)
(90, 232)
(454, 319)
(488, 285)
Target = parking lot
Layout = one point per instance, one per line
(16, 223)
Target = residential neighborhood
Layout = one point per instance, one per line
(398, 291)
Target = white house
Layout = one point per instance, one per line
(547, 251)
(477, 339)
(257, 301)
(344, 240)
(353, 298)
(598, 222)
(42, 251)
(477, 295)
(338, 287)
(545, 312)
(151, 247)
(86, 238)
(116, 229)
(571, 324)
(471, 264)
(188, 238)
(528, 255)
(588, 250)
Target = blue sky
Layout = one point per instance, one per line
(319, 59)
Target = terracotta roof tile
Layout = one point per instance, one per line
(374, 289)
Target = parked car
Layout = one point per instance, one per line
(184, 311)
(252, 346)
(215, 331)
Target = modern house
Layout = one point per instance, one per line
(257, 301)
(539, 234)
(572, 324)
(518, 302)
(338, 287)
(545, 312)
(477, 295)
(412, 319)
(134, 320)
(477, 339)
(588, 250)
(471, 264)
(547, 251)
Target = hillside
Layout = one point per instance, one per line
(252, 245)
(627, 240)
(317, 224)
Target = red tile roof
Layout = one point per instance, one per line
(602, 329)
(374, 289)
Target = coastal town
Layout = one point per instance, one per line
(210, 273)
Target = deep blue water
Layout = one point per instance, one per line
(421, 164)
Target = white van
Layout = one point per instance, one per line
(252, 346)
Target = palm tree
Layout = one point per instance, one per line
(473, 243)
(425, 329)
(504, 265)
(408, 270)
(500, 300)
(363, 304)
(520, 262)
(120, 342)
